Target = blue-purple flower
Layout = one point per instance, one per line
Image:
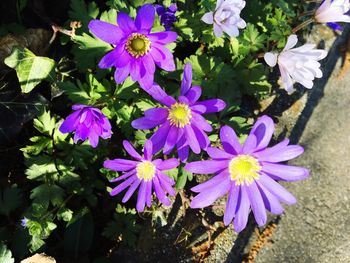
(167, 15)
(88, 123)
(248, 174)
(181, 124)
(145, 174)
(24, 222)
(136, 50)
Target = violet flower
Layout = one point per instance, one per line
(226, 17)
(297, 64)
(333, 11)
(248, 174)
(88, 123)
(24, 222)
(334, 26)
(145, 174)
(136, 50)
(167, 16)
(181, 123)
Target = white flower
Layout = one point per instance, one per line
(226, 17)
(297, 64)
(333, 11)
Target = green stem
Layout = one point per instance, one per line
(302, 25)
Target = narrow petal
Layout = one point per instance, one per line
(159, 137)
(241, 217)
(186, 79)
(257, 204)
(212, 106)
(201, 136)
(168, 164)
(263, 130)
(194, 94)
(131, 151)
(124, 176)
(192, 140)
(159, 94)
(141, 197)
(211, 182)
(282, 154)
(209, 196)
(167, 61)
(131, 190)
(69, 123)
(285, 172)
(144, 123)
(216, 153)
(166, 185)
(155, 114)
(183, 149)
(250, 144)
(109, 60)
(163, 37)
(200, 122)
(149, 193)
(147, 150)
(160, 192)
(277, 190)
(120, 164)
(145, 17)
(121, 74)
(231, 204)
(206, 167)
(271, 202)
(123, 185)
(105, 31)
(230, 141)
(171, 139)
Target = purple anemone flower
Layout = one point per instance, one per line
(136, 50)
(248, 174)
(167, 16)
(88, 123)
(181, 123)
(145, 173)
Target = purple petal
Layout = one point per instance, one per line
(135, 70)
(186, 79)
(165, 178)
(201, 136)
(149, 193)
(141, 197)
(285, 172)
(209, 196)
(230, 141)
(93, 139)
(167, 60)
(120, 164)
(148, 150)
(194, 94)
(109, 60)
(145, 17)
(125, 23)
(183, 99)
(131, 190)
(124, 176)
(69, 123)
(250, 144)
(157, 114)
(131, 151)
(241, 217)
(168, 164)
(263, 130)
(144, 123)
(163, 37)
(123, 185)
(271, 202)
(183, 149)
(166, 185)
(192, 140)
(171, 139)
(231, 204)
(159, 94)
(201, 123)
(281, 154)
(148, 63)
(105, 31)
(206, 167)
(122, 58)
(121, 74)
(211, 106)
(159, 137)
(216, 153)
(160, 192)
(277, 190)
(257, 204)
(211, 182)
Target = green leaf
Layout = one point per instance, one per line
(80, 11)
(183, 177)
(10, 199)
(45, 123)
(5, 254)
(65, 214)
(46, 193)
(30, 69)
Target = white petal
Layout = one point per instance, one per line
(291, 42)
(208, 18)
(271, 58)
(217, 30)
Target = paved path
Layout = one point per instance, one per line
(317, 229)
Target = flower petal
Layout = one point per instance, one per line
(147, 150)
(105, 31)
(121, 74)
(285, 172)
(230, 141)
(171, 139)
(263, 130)
(271, 58)
(160, 192)
(123, 185)
(208, 18)
(216, 153)
(231, 204)
(194, 94)
(257, 204)
(277, 153)
(124, 176)
(241, 217)
(131, 151)
(211, 106)
(271, 202)
(120, 164)
(145, 17)
(186, 79)
(141, 197)
(192, 140)
(160, 95)
(131, 190)
(211, 182)
(125, 23)
(200, 122)
(164, 38)
(168, 164)
(206, 167)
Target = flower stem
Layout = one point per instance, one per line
(302, 25)
(307, 13)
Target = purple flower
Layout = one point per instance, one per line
(136, 50)
(24, 222)
(167, 16)
(334, 26)
(181, 123)
(248, 173)
(88, 123)
(145, 173)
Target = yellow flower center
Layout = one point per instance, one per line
(179, 114)
(244, 169)
(138, 45)
(145, 171)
